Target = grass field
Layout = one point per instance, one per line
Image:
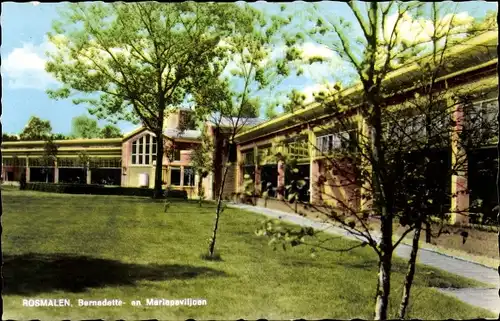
(96, 247)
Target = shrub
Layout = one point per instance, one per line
(97, 189)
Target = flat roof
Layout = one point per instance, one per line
(467, 52)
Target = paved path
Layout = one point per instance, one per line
(486, 298)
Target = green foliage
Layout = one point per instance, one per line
(248, 185)
(84, 127)
(202, 161)
(296, 100)
(59, 136)
(9, 138)
(36, 129)
(281, 236)
(110, 131)
(133, 61)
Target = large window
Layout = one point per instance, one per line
(14, 162)
(175, 176)
(188, 176)
(105, 163)
(144, 150)
(332, 142)
(249, 157)
(482, 117)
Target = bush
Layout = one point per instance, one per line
(97, 189)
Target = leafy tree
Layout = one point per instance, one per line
(85, 161)
(366, 161)
(248, 190)
(296, 99)
(136, 61)
(84, 127)
(110, 131)
(59, 137)
(9, 138)
(36, 129)
(202, 162)
(245, 61)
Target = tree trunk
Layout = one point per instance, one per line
(157, 193)
(498, 194)
(211, 248)
(411, 271)
(384, 274)
(428, 232)
(200, 186)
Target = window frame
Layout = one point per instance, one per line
(189, 169)
(143, 151)
(171, 170)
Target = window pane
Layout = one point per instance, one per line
(188, 176)
(134, 159)
(175, 176)
(153, 157)
(140, 160)
(134, 147)
(141, 144)
(147, 144)
(146, 159)
(177, 155)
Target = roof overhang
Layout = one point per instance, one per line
(472, 54)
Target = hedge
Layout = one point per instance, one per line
(97, 189)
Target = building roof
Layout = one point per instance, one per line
(473, 52)
(231, 121)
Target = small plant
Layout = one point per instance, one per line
(294, 190)
(267, 191)
(248, 190)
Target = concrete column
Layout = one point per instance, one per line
(89, 174)
(56, 172)
(459, 163)
(27, 169)
(239, 169)
(315, 191)
(208, 185)
(152, 173)
(365, 202)
(313, 167)
(281, 177)
(182, 176)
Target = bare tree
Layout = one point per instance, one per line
(368, 140)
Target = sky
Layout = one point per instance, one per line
(24, 80)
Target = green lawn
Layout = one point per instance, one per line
(96, 247)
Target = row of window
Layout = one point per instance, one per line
(300, 149)
(144, 151)
(14, 161)
(175, 176)
(332, 142)
(63, 162)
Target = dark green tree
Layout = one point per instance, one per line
(36, 129)
(110, 131)
(84, 127)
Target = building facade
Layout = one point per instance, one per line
(130, 161)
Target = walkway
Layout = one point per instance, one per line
(486, 298)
